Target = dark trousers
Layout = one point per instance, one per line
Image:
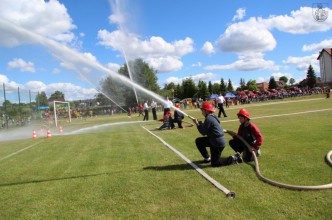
(166, 110)
(179, 122)
(202, 143)
(154, 113)
(146, 115)
(238, 146)
(221, 110)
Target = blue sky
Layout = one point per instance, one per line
(203, 39)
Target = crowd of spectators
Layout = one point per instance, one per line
(244, 97)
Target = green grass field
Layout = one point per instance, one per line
(115, 170)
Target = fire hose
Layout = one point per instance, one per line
(275, 183)
(283, 185)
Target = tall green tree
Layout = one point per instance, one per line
(215, 88)
(230, 86)
(223, 88)
(202, 91)
(179, 91)
(41, 99)
(169, 86)
(272, 83)
(311, 77)
(291, 81)
(251, 85)
(283, 78)
(189, 88)
(57, 96)
(210, 88)
(242, 84)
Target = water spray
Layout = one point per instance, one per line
(68, 55)
(73, 57)
(130, 76)
(82, 75)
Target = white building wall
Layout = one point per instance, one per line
(326, 67)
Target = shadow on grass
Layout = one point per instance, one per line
(54, 179)
(184, 166)
(198, 163)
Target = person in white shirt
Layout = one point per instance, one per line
(154, 109)
(221, 101)
(167, 104)
(146, 111)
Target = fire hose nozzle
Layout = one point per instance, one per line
(231, 195)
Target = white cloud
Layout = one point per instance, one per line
(22, 65)
(135, 47)
(198, 64)
(113, 66)
(253, 36)
(71, 91)
(35, 86)
(302, 63)
(201, 76)
(298, 22)
(4, 78)
(9, 85)
(208, 48)
(49, 19)
(174, 80)
(161, 55)
(240, 13)
(56, 71)
(277, 75)
(248, 36)
(165, 64)
(318, 46)
(246, 64)
(260, 79)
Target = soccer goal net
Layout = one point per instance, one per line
(61, 109)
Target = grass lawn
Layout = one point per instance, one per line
(111, 168)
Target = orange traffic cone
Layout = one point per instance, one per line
(48, 133)
(60, 129)
(34, 135)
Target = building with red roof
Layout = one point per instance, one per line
(325, 64)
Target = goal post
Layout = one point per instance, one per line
(55, 115)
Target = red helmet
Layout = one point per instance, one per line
(207, 106)
(243, 113)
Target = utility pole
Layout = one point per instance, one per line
(4, 105)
